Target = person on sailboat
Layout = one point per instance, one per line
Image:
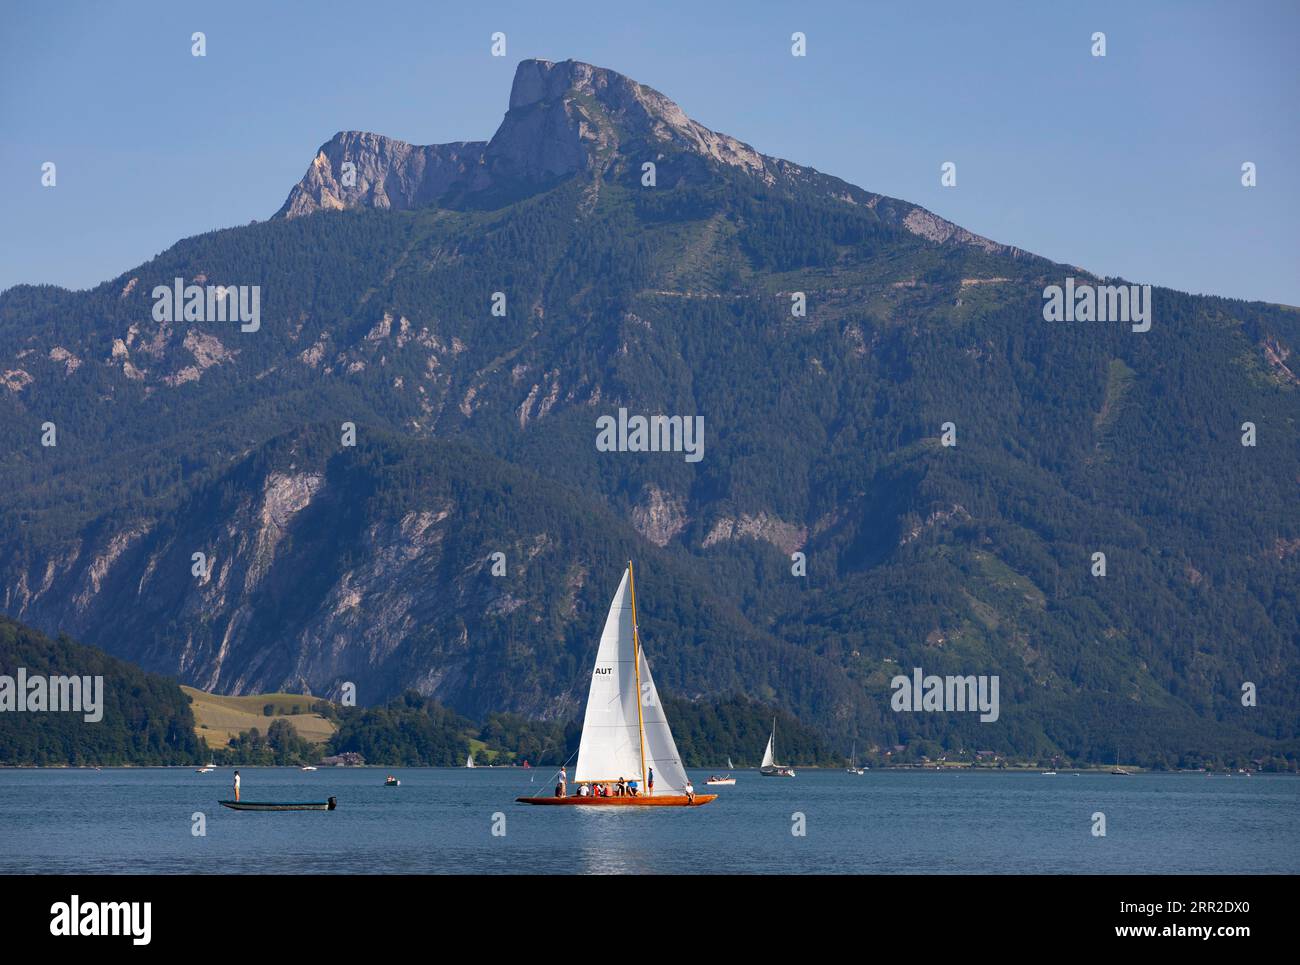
(583, 790)
(562, 785)
(650, 781)
(632, 787)
(236, 786)
(621, 788)
(690, 792)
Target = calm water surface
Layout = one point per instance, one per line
(139, 821)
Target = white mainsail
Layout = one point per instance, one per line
(768, 759)
(730, 766)
(469, 761)
(617, 736)
(611, 734)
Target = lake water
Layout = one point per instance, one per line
(140, 820)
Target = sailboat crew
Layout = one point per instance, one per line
(650, 781)
(690, 792)
(236, 786)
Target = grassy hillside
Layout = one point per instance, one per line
(217, 719)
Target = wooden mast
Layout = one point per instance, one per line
(636, 664)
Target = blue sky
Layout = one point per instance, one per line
(1126, 165)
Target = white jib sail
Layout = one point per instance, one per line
(768, 759)
(660, 748)
(611, 735)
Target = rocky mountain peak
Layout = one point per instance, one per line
(570, 118)
(567, 117)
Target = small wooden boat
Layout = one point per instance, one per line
(329, 805)
(769, 767)
(625, 735)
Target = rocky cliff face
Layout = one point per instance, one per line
(385, 173)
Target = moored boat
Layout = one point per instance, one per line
(622, 736)
(853, 762)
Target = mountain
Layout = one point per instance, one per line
(476, 433)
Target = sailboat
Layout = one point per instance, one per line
(853, 762)
(1117, 769)
(625, 738)
(469, 761)
(769, 767)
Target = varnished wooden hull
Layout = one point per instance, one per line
(652, 801)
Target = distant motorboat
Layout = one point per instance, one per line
(392, 782)
(769, 767)
(308, 767)
(1049, 773)
(206, 769)
(716, 781)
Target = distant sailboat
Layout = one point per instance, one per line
(730, 766)
(469, 761)
(853, 762)
(769, 767)
(625, 739)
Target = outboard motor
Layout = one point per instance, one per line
(333, 803)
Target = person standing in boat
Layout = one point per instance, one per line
(650, 781)
(236, 787)
(562, 787)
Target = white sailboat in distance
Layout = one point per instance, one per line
(853, 762)
(627, 755)
(469, 761)
(769, 767)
